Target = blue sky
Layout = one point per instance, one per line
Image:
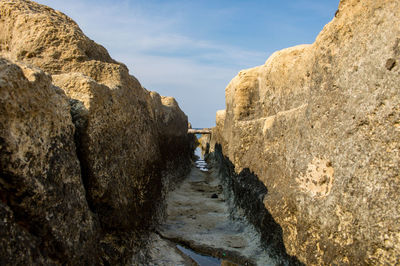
(192, 49)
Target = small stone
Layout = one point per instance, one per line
(214, 196)
(390, 63)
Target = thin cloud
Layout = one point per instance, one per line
(192, 49)
(133, 30)
(195, 71)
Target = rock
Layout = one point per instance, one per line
(204, 143)
(170, 118)
(176, 147)
(319, 126)
(18, 246)
(111, 146)
(228, 263)
(390, 63)
(43, 198)
(117, 145)
(122, 129)
(48, 39)
(236, 242)
(165, 252)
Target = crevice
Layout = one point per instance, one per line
(79, 115)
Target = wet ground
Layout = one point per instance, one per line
(199, 220)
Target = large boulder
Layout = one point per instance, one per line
(45, 215)
(86, 152)
(118, 131)
(117, 145)
(47, 38)
(319, 125)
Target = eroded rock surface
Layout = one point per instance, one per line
(43, 198)
(319, 126)
(86, 152)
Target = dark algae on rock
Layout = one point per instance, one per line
(247, 193)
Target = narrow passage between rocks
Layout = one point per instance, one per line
(199, 218)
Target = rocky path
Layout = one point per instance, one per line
(198, 217)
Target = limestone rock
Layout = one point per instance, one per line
(204, 143)
(119, 132)
(175, 145)
(319, 126)
(40, 182)
(117, 145)
(169, 117)
(46, 38)
(87, 153)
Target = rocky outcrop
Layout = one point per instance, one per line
(176, 145)
(86, 152)
(43, 198)
(204, 143)
(319, 126)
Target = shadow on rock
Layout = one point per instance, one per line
(248, 192)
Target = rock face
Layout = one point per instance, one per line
(319, 125)
(204, 143)
(86, 152)
(43, 198)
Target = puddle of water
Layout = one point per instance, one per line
(202, 260)
(202, 166)
(200, 163)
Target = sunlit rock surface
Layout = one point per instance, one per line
(319, 125)
(86, 151)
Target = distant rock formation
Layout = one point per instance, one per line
(86, 152)
(204, 142)
(319, 125)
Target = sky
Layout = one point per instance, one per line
(191, 49)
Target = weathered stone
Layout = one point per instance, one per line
(319, 126)
(17, 246)
(110, 145)
(40, 179)
(390, 63)
(48, 39)
(117, 145)
(170, 119)
(204, 143)
(121, 129)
